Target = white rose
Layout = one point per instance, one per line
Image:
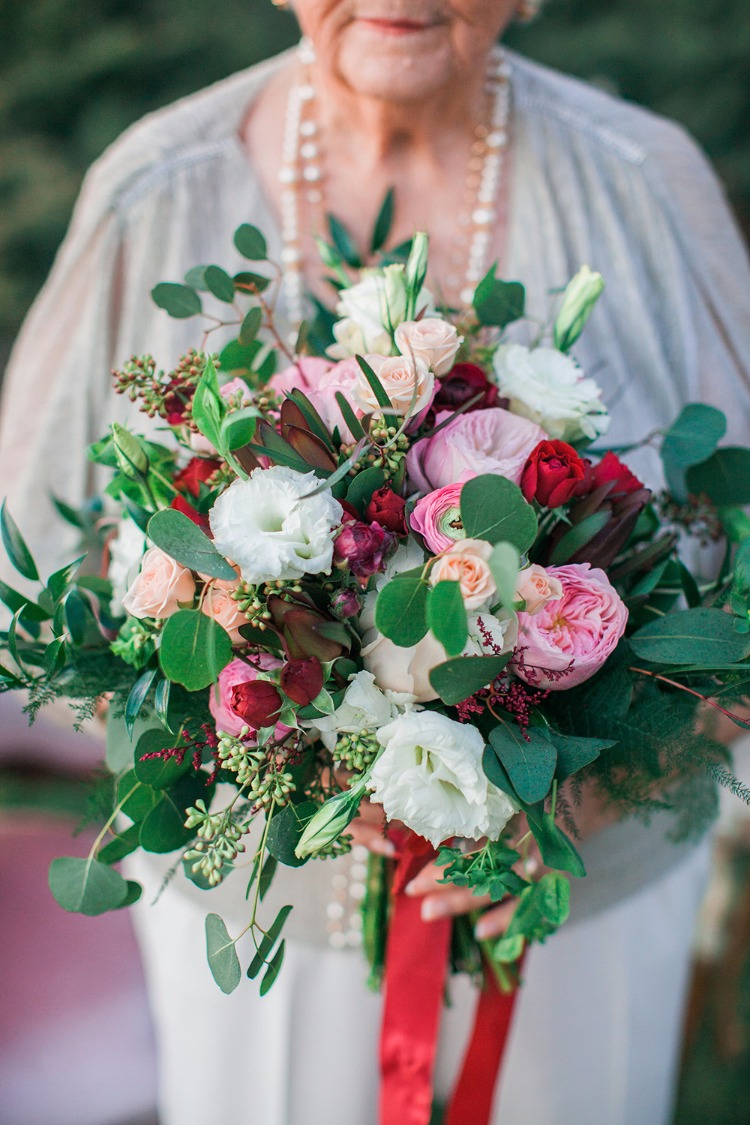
(272, 529)
(371, 311)
(364, 707)
(408, 382)
(430, 777)
(431, 339)
(548, 388)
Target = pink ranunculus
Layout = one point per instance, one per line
(571, 638)
(304, 375)
(437, 518)
(220, 697)
(483, 441)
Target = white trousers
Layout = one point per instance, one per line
(596, 1036)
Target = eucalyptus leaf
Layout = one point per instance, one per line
(401, 610)
(184, 541)
(159, 773)
(504, 563)
(455, 680)
(222, 955)
(251, 326)
(724, 477)
(574, 753)
(250, 243)
(86, 886)
(529, 758)
(701, 637)
(498, 303)
(137, 697)
(273, 970)
(179, 301)
(691, 439)
(267, 942)
(446, 616)
(285, 832)
(493, 508)
(219, 283)
(122, 843)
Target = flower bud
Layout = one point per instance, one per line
(416, 271)
(130, 453)
(581, 294)
(346, 603)
(330, 820)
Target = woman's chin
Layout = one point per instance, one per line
(397, 66)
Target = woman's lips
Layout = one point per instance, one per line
(394, 27)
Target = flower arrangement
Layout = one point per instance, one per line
(386, 563)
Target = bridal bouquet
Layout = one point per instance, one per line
(392, 561)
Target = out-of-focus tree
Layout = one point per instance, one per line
(74, 75)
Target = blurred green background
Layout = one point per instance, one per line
(75, 74)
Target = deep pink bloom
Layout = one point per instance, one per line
(221, 697)
(362, 547)
(437, 517)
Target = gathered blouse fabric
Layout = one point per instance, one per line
(594, 180)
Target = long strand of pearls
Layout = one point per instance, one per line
(301, 180)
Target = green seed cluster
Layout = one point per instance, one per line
(357, 751)
(219, 841)
(264, 784)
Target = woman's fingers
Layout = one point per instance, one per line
(369, 834)
(443, 900)
(494, 922)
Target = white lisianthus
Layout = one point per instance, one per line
(491, 634)
(364, 707)
(271, 528)
(371, 311)
(126, 550)
(549, 388)
(430, 776)
(408, 382)
(432, 339)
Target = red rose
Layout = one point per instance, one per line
(198, 470)
(257, 703)
(552, 474)
(180, 504)
(611, 468)
(302, 680)
(387, 508)
(462, 383)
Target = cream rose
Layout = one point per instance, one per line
(364, 707)
(430, 339)
(535, 586)
(219, 604)
(467, 562)
(160, 588)
(408, 382)
(430, 776)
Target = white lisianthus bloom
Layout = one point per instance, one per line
(364, 707)
(271, 528)
(371, 311)
(430, 776)
(549, 388)
(491, 634)
(125, 553)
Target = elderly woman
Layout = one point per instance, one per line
(498, 159)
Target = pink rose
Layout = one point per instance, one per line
(431, 339)
(160, 588)
(219, 604)
(467, 562)
(407, 380)
(437, 518)
(571, 638)
(483, 441)
(535, 586)
(220, 698)
(304, 375)
(339, 377)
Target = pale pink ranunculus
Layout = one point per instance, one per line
(304, 375)
(432, 339)
(219, 604)
(220, 696)
(536, 586)
(482, 441)
(160, 588)
(437, 517)
(408, 382)
(571, 638)
(467, 562)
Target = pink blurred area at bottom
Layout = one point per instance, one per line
(76, 1043)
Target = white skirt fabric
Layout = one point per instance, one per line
(596, 1035)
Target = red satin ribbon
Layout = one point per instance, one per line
(415, 971)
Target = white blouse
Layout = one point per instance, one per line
(594, 180)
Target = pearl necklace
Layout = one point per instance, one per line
(301, 176)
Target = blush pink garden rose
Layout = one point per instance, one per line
(467, 562)
(219, 604)
(319, 380)
(304, 375)
(431, 339)
(160, 588)
(536, 586)
(437, 518)
(571, 638)
(483, 441)
(220, 697)
(408, 382)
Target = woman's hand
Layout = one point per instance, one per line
(368, 829)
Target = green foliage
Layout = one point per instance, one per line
(493, 508)
(701, 637)
(446, 616)
(401, 609)
(222, 955)
(184, 541)
(529, 759)
(86, 886)
(488, 871)
(691, 438)
(724, 477)
(285, 832)
(194, 649)
(498, 302)
(455, 680)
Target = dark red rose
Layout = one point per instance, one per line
(257, 702)
(611, 468)
(302, 680)
(198, 470)
(187, 509)
(387, 508)
(462, 383)
(552, 474)
(362, 548)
